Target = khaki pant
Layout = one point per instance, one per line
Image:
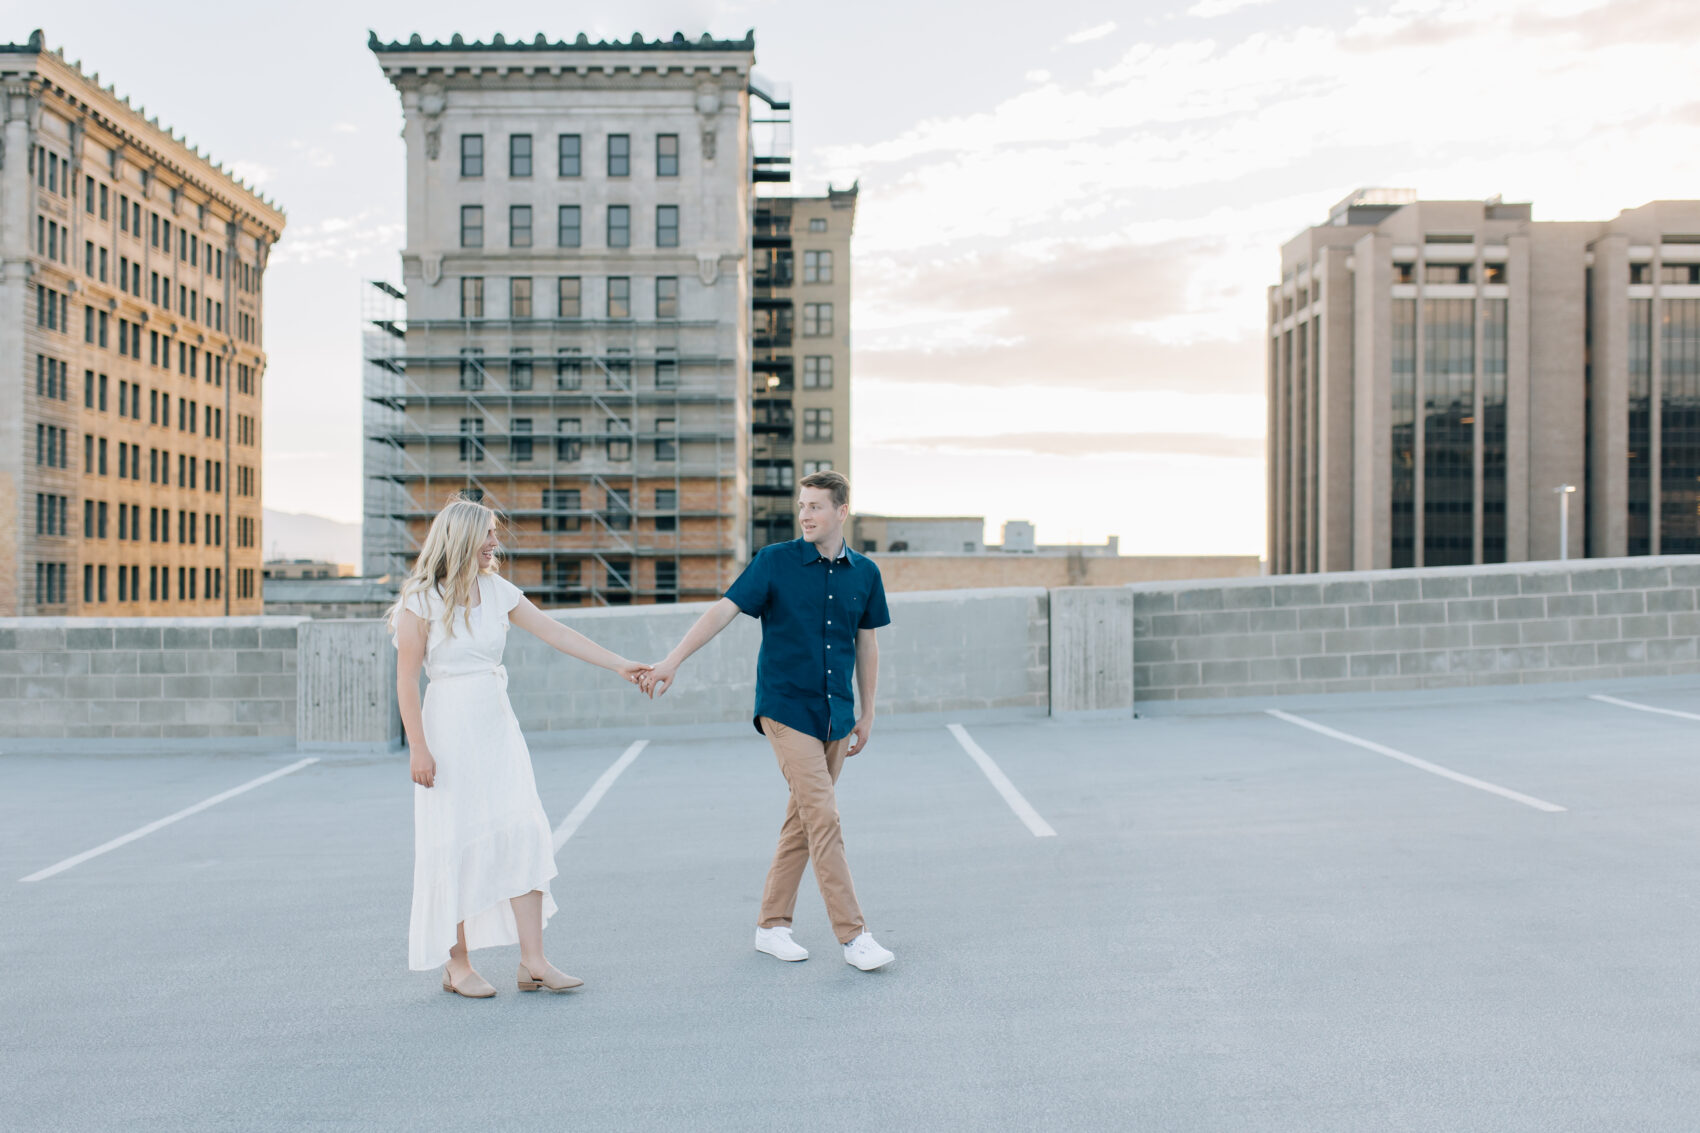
(811, 830)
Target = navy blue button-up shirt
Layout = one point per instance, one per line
(810, 609)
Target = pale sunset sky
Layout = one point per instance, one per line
(1069, 211)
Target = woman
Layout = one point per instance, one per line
(483, 850)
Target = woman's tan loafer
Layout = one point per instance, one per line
(475, 986)
(552, 980)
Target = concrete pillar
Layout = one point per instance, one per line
(345, 690)
(1091, 651)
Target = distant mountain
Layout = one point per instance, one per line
(294, 535)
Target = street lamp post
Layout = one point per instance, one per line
(1564, 493)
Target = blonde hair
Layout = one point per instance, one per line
(448, 562)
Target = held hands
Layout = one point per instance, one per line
(633, 671)
(423, 767)
(658, 679)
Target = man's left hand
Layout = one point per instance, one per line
(859, 735)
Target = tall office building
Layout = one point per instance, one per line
(571, 340)
(1440, 371)
(131, 270)
(801, 414)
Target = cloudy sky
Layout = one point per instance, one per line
(1069, 211)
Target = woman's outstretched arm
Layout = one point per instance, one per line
(571, 642)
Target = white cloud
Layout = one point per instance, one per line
(344, 128)
(1210, 9)
(1040, 76)
(251, 173)
(1087, 35)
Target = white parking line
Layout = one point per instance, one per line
(144, 831)
(1022, 808)
(1421, 764)
(570, 824)
(1644, 707)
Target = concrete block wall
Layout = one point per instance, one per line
(944, 651)
(1444, 627)
(97, 678)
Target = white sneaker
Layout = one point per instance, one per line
(865, 953)
(777, 942)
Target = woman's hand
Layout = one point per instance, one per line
(423, 767)
(634, 671)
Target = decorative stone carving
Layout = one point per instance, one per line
(433, 99)
(708, 268)
(431, 267)
(708, 107)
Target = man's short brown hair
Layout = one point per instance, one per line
(833, 482)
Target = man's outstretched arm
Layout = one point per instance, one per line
(716, 618)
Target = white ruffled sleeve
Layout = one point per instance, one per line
(419, 603)
(507, 595)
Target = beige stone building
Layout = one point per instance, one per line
(571, 342)
(277, 569)
(1439, 370)
(801, 351)
(131, 366)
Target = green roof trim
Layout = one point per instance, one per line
(35, 46)
(540, 42)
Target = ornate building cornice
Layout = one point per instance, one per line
(540, 42)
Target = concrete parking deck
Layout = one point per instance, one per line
(1240, 923)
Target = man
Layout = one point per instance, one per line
(819, 603)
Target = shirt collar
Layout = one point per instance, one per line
(809, 554)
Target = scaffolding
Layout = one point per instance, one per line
(772, 322)
(451, 406)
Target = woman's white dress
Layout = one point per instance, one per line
(479, 835)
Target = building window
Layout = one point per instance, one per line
(569, 368)
(519, 439)
(569, 440)
(1640, 528)
(667, 509)
(617, 512)
(571, 292)
(619, 579)
(810, 467)
(1446, 273)
(472, 367)
(568, 232)
(1640, 273)
(568, 165)
(1494, 273)
(666, 226)
(817, 267)
(619, 368)
(519, 155)
(666, 439)
(563, 507)
(667, 297)
(666, 367)
(817, 224)
(666, 581)
(817, 320)
(817, 424)
(519, 368)
(619, 226)
(472, 439)
(1679, 274)
(1449, 396)
(472, 297)
(817, 371)
(1679, 426)
(471, 226)
(619, 155)
(619, 297)
(472, 155)
(519, 297)
(617, 437)
(667, 155)
(519, 226)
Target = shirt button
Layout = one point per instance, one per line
(829, 621)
